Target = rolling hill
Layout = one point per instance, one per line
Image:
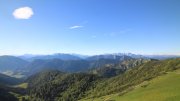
(135, 76)
(162, 88)
(11, 63)
(7, 80)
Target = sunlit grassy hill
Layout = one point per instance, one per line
(162, 88)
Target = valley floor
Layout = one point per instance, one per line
(162, 88)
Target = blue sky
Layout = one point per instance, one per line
(89, 26)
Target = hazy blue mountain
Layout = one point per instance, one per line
(61, 56)
(11, 63)
(102, 62)
(19, 67)
(63, 65)
(81, 56)
(109, 56)
(132, 55)
(27, 56)
(162, 57)
(7, 80)
(72, 65)
(137, 56)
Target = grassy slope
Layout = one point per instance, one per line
(162, 88)
(22, 85)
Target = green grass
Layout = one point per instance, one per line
(162, 88)
(22, 85)
(19, 97)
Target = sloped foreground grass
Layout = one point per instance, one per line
(162, 88)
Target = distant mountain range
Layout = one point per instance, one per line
(110, 70)
(68, 77)
(81, 65)
(63, 56)
(11, 63)
(21, 66)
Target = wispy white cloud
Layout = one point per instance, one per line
(75, 27)
(23, 13)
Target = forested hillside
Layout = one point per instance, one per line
(60, 86)
(110, 70)
(108, 77)
(134, 76)
(54, 85)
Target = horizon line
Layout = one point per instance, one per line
(125, 53)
